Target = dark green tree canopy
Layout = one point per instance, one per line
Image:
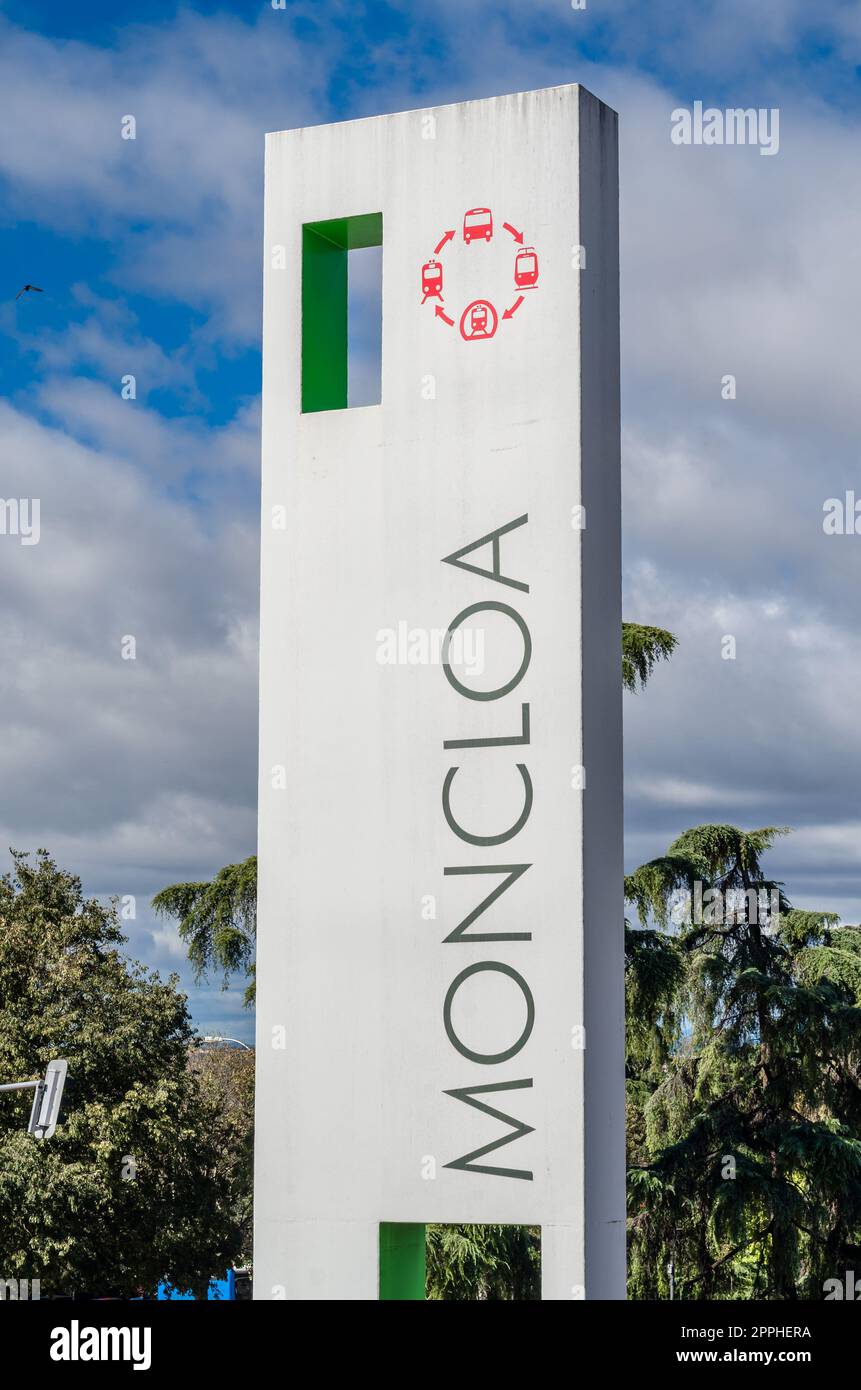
(217, 920)
(128, 1190)
(744, 1080)
(642, 648)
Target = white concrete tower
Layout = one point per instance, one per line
(440, 934)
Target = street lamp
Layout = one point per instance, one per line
(46, 1099)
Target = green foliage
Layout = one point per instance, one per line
(217, 920)
(651, 887)
(837, 957)
(129, 1188)
(226, 1078)
(486, 1263)
(744, 1064)
(729, 857)
(654, 972)
(642, 648)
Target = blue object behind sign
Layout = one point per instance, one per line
(218, 1289)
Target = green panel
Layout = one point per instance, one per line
(324, 323)
(351, 233)
(325, 248)
(402, 1260)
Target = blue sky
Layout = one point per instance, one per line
(137, 774)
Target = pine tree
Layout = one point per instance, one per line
(743, 1079)
(484, 1263)
(217, 920)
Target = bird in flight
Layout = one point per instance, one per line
(29, 287)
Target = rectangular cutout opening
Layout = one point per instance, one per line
(483, 1264)
(460, 1264)
(342, 312)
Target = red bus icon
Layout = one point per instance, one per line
(477, 223)
(526, 268)
(431, 280)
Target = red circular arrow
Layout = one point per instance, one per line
(518, 236)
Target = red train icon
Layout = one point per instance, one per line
(478, 320)
(477, 223)
(431, 280)
(526, 268)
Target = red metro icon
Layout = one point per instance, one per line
(479, 320)
(431, 280)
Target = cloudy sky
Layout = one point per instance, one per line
(138, 773)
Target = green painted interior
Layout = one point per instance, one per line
(325, 250)
(402, 1260)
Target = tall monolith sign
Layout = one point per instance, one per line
(440, 972)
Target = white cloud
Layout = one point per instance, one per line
(97, 747)
(182, 201)
(109, 341)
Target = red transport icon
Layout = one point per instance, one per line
(431, 280)
(479, 320)
(477, 223)
(526, 268)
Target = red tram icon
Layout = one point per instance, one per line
(526, 268)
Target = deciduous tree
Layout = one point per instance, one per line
(129, 1189)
